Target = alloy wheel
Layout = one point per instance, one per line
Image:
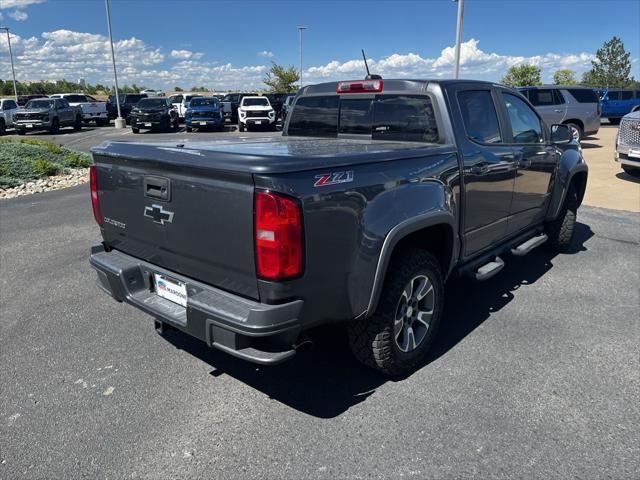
(413, 313)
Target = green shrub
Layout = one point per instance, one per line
(26, 159)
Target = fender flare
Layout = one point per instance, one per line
(571, 164)
(402, 230)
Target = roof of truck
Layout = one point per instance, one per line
(391, 84)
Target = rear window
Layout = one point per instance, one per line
(583, 95)
(385, 117)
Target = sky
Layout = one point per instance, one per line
(230, 44)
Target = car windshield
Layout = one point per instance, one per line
(199, 102)
(151, 102)
(255, 102)
(39, 104)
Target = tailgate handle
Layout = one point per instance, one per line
(157, 187)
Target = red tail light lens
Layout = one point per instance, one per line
(95, 203)
(278, 236)
(360, 86)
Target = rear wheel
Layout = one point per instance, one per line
(560, 231)
(77, 124)
(135, 130)
(400, 332)
(576, 131)
(102, 122)
(3, 128)
(634, 172)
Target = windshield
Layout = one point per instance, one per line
(255, 102)
(199, 102)
(39, 104)
(151, 102)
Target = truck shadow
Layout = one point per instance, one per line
(326, 381)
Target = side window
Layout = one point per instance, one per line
(559, 99)
(526, 93)
(479, 116)
(637, 93)
(525, 124)
(542, 97)
(626, 95)
(90, 99)
(12, 104)
(613, 95)
(315, 117)
(404, 118)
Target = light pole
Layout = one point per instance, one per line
(119, 122)
(15, 88)
(458, 35)
(300, 30)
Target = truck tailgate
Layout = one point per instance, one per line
(203, 229)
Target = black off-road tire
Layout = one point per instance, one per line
(633, 171)
(188, 129)
(372, 340)
(55, 126)
(77, 124)
(135, 130)
(240, 127)
(3, 128)
(560, 231)
(21, 132)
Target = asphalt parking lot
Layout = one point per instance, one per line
(535, 374)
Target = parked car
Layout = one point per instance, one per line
(47, 114)
(276, 100)
(256, 112)
(204, 112)
(617, 102)
(23, 99)
(8, 109)
(149, 92)
(575, 106)
(92, 109)
(230, 104)
(286, 106)
(154, 114)
(127, 102)
(181, 102)
(627, 151)
(377, 192)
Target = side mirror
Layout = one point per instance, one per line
(561, 134)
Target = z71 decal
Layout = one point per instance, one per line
(333, 178)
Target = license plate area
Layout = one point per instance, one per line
(203, 123)
(634, 152)
(147, 124)
(258, 122)
(170, 289)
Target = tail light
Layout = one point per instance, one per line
(360, 86)
(95, 203)
(278, 236)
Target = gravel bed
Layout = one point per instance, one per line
(77, 176)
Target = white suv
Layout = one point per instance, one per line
(256, 111)
(8, 109)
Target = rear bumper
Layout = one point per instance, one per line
(244, 328)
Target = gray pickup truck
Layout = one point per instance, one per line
(47, 114)
(376, 193)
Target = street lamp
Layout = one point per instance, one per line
(15, 88)
(458, 35)
(300, 29)
(119, 122)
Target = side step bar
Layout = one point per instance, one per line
(529, 245)
(488, 270)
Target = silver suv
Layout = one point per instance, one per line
(571, 105)
(628, 144)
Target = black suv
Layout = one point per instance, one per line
(276, 100)
(154, 114)
(127, 102)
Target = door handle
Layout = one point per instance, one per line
(479, 169)
(557, 110)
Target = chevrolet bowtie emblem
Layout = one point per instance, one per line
(158, 214)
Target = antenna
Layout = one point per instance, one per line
(366, 65)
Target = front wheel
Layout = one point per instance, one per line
(634, 172)
(240, 127)
(55, 126)
(77, 124)
(560, 231)
(135, 130)
(402, 329)
(614, 121)
(3, 129)
(188, 129)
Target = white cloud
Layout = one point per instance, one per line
(7, 4)
(18, 15)
(185, 54)
(474, 63)
(265, 53)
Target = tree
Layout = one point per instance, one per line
(522, 76)
(611, 67)
(280, 79)
(177, 89)
(564, 76)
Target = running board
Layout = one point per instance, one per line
(529, 245)
(488, 270)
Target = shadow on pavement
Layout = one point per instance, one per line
(326, 381)
(627, 177)
(588, 146)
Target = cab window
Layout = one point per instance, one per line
(525, 124)
(479, 116)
